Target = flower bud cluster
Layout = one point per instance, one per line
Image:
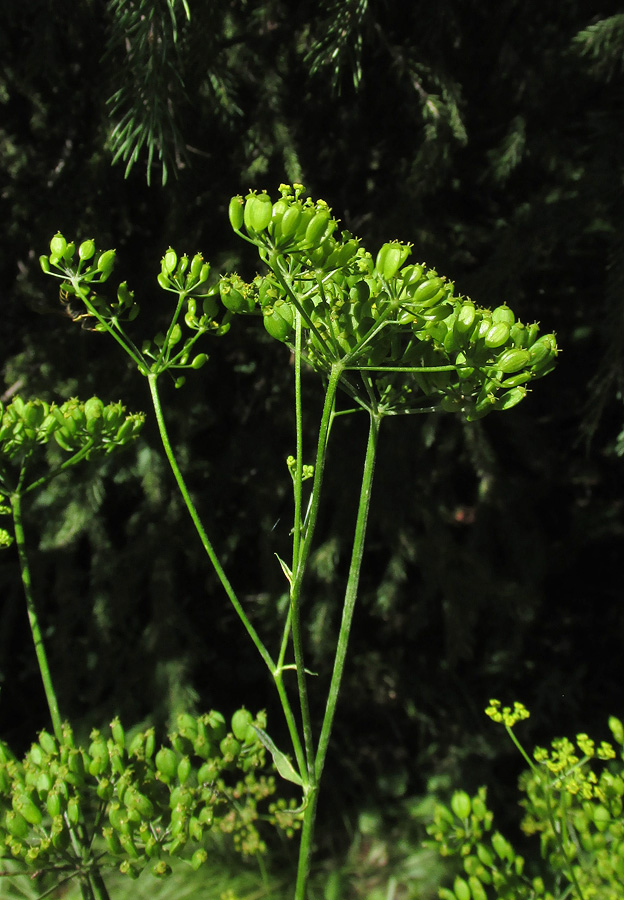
(381, 314)
(140, 803)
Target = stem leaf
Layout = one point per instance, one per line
(282, 763)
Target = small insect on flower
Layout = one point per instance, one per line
(76, 314)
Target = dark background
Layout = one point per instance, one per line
(487, 134)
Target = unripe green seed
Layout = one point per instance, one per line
(307, 214)
(216, 723)
(105, 263)
(476, 888)
(479, 809)
(451, 403)
(501, 846)
(451, 340)
(258, 211)
(230, 747)
(206, 772)
(169, 261)
(167, 764)
(161, 869)
(43, 784)
(24, 805)
(187, 725)
(58, 245)
(517, 379)
(206, 816)
(196, 267)
(184, 770)
(290, 221)
(73, 810)
(48, 743)
(16, 824)
(503, 314)
(390, 258)
(460, 804)
(175, 335)
(497, 335)
(426, 291)
(513, 360)
(511, 398)
(93, 408)
(86, 250)
(411, 274)
(235, 212)
(200, 360)
(234, 300)
(279, 323)
(69, 252)
(118, 733)
(317, 227)
(104, 790)
(461, 889)
(241, 720)
(198, 858)
(543, 348)
(53, 804)
(44, 262)
(617, 729)
(36, 754)
(134, 800)
(465, 318)
(124, 294)
(112, 841)
(196, 831)
(279, 208)
(532, 333)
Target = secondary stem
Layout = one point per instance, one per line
(207, 545)
(276, 671)
(42, 659)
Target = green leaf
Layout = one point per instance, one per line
(282, 763)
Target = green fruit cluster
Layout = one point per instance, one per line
(63, 805)
(574, 801)
(87, 267)
(400, 326)
(74, 425)
(197, 306)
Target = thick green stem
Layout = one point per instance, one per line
(306, 844)
(299, 570)
(357, 555)
(33, 618)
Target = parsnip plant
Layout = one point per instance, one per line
(386, 338)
